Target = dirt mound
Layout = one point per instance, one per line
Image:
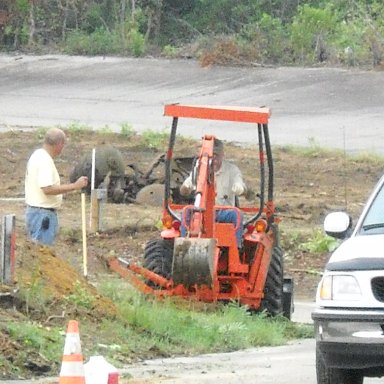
(61, 285)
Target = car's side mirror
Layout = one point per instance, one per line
(338, 225)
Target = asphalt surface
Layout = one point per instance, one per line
(330, 107)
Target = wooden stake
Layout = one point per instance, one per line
(94, 224)
(84, 228)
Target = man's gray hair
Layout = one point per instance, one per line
(218, 146)
(54, 136)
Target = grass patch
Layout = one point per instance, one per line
(312, 150)
(80, 297)
(368, 157)
(34, 339)
(182, 326)
(148, 327)
(319, 242)
(75, 128)
(155, 139)
(34, 294)
(127, 131)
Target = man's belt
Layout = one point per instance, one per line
(46, 209)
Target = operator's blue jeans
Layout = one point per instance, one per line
(41, 224)
(223, 216)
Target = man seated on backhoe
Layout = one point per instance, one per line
(229, 184)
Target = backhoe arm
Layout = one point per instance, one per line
(202, 218)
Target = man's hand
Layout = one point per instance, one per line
(187, 187)
(81, 182)
(238, 189)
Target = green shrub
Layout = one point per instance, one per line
(155, 139)
(319, 242)
(75, 128)
(267, 37)
(93, 18)
(311, 32)
(135, 42)
(169, 51)
(127, 130)
(40, 132)
(80, 297)
(99, 42)
(23, 6)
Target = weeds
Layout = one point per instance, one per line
(34, 294)
(127, 130)
(47, 341)
(319, 242)
(80, 297)
(182, 327)
(40, 132)
(106, 130)
(76, 127)
(155, 139)
(313, 149)
(169, 51)
(71, 234)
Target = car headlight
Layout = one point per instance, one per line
(340, 287)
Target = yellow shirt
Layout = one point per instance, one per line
(41, 172)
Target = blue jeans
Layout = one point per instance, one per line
(41, 224)
(223, 216)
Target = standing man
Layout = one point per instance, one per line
(43, 191)
(229, 184)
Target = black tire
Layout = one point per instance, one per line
(158, 255)
(272, 302)
(326, 375)
(288, 294)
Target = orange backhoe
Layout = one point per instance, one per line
(206, 263)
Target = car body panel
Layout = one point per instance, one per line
(359, 246)
(349, 312)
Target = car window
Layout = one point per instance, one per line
(374, 219)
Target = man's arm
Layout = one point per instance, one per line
(238, 186)
(80, 183)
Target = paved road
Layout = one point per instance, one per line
(257, 365)
(328, 107)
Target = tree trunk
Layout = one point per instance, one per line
(32, 24)
(133, 10)
(154, 13)
(64, 24)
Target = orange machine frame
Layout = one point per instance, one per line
(247, 280)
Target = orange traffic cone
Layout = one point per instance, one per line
(72, 369)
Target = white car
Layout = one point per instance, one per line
(349, 312)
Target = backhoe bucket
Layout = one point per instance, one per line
(193, 261)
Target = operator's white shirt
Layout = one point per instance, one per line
(225, 178)
(41, 172)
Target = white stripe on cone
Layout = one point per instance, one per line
(72, 344)
(72, 368)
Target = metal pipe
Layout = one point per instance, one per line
(262, 177)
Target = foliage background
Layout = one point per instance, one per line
(242, 32)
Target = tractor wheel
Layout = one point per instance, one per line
(272, 303)
(158, 255)
(288, 304)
